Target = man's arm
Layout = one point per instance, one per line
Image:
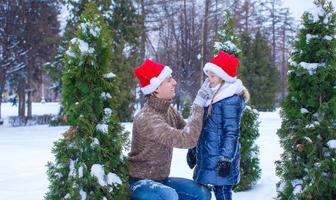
(157, 129)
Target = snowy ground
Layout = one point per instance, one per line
(26, 150)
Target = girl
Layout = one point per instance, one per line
(217, 154)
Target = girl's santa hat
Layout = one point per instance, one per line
(224, 66)
(150, 75)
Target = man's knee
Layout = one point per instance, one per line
(162, 194)
(147, 189)
(204, 193)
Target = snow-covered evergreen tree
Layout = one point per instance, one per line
(308, 131)
(249, 164)
(123, 24)
(89, 163)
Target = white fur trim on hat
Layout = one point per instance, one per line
(156, 81)
(219, 72)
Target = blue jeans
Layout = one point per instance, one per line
(168, 189)
(223, 192)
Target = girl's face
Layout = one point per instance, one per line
(214, 80)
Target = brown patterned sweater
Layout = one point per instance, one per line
(157, 128)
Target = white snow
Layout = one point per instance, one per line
(90, 28)
(109, 75)
(28, 149)
(80, 172)
(97, 170)
(83, 194)
(102, 128)
(106, 95)
(332, 144)
(108, 111)
(317, 12)
(70, 53)
(308, 139)
(309, 37)
(311, 67)
(95, 142)
(312, 125)
(304, 110)
(72, 171)
(328, 37)
(291, 62)
(226, 46)
(113, 179)
(82, 45)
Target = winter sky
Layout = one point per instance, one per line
(297, 7)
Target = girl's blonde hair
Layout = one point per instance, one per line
(246, 94)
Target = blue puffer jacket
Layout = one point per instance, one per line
(219, 140)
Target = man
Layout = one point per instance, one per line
(157, 128)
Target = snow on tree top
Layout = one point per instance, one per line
(316, 13)
(83, 46)
(227, 46)
(90, 29)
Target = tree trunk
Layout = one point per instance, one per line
(21, 93)
(29, 104)
(142, 44)
(273, 33)
(204, 37)
(2, 87)
(0, 105)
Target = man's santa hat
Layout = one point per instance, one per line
(223, 65)
(150, 75)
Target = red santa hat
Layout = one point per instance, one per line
(223, 65)
(150, 75)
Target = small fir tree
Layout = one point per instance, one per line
(308, 132)
(186, 108)
(88, 161)
(258, 73)
(249, 164)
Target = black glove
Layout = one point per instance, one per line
(223, 168)
(191, 158)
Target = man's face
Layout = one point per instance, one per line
(214, 80)
(167, 89)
